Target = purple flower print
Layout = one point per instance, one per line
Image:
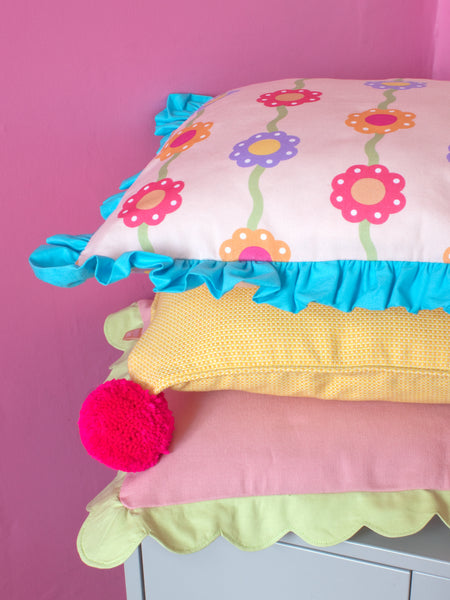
(395, 85)
(265, 149)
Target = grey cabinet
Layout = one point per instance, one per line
(429, 587)
(366, 567)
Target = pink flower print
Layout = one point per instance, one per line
(152, 203)
(289, 97)
(369, 193)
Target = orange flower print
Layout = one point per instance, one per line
(446, 255)
(246, 244)
(185, 139)
(381, 121)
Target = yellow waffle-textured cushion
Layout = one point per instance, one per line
(196, 342)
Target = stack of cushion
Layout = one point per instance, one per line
(297, 236)
(253, 466)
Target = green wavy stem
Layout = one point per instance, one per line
(144, 239)
(299, 84)
(369, 149)
(366, 241)
(195, 117)
(163, 170)
(258, 200)
(390, 98)
(282, 112)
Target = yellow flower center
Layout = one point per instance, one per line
(395, 83)
(289, 96)
(264, 147)
(151, 199)
(368, 191)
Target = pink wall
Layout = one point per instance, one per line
(81, 82)
(441, 58)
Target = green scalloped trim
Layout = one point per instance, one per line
(111, 532)
(116, 326)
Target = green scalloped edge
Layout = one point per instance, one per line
(111, 532)
(115, 327)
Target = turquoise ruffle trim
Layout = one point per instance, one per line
(291, 286)
(109, 205)
(178, 109)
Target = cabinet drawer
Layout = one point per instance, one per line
(223, 572)
(429, 587)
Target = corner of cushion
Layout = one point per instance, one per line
(110, 534)
(179, 108)
(55, 262)
(109, 205)
(119, 323)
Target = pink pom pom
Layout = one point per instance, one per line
(124, 426)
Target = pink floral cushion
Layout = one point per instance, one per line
(325, 190)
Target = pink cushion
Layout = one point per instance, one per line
(231, 444)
